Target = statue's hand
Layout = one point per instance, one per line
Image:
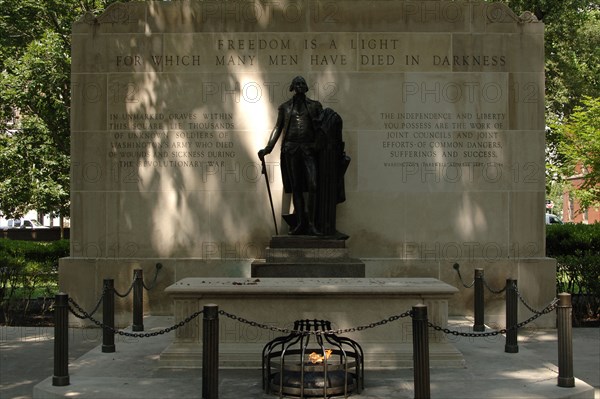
(263, 152)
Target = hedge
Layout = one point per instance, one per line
(576, 248)
(27, 269)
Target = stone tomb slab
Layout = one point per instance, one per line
(278, 302)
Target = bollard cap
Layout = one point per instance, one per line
(211, 311)
(564, 299)
(419, 312)
(61, 299)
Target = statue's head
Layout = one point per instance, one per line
(299, 85)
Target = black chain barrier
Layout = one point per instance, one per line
(531, 309)
(146, 287)
(491, 289)
(317, 332)
(517, 326)
(153, 284)
(85, 315)
(210, 345)
(96, 307)
(547, 310)
(457, 268)
(90, 314)
(125, 294)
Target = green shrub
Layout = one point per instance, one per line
(576, 248)
(28, 269)
(572, 239)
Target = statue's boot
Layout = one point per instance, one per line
(312, 215)
(300, 228)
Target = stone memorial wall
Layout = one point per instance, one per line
(443, 109)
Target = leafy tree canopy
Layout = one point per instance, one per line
(35, 69)
(35, 64)
(34, 175)
(580, 148)
(572, 49)
(36, 153)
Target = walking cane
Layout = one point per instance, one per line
(264, 172)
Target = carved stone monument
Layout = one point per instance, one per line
(443, 117)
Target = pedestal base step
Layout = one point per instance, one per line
(307, 256)
(348, 268)
(306, 242)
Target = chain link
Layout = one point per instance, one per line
(547, 310)
(83, 315)
(146, 287)
(128, 291)
(79, 316)
(256, 324)
(99, 302)
(491, 289)
(149, 287)
(128, 334)
(316, 332)
(83, 312)
(461, 279)
(531, 309)
(456, 267)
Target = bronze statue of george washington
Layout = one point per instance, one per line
(301, 122)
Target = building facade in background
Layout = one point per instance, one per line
(572, 212)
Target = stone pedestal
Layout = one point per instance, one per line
(278, 302)
(307, 256)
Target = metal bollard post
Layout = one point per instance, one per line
(210, 352)
(108, 316)
(565, 341)
(478, 301)
(420, 338)
(512, 303)
(138, 300)
(61, 340)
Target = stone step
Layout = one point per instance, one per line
(306, 255)
(348, 268)
(306, 242)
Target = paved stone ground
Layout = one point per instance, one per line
(27, 356)
(26, 359)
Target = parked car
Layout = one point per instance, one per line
(553, 219)
(25, 224)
